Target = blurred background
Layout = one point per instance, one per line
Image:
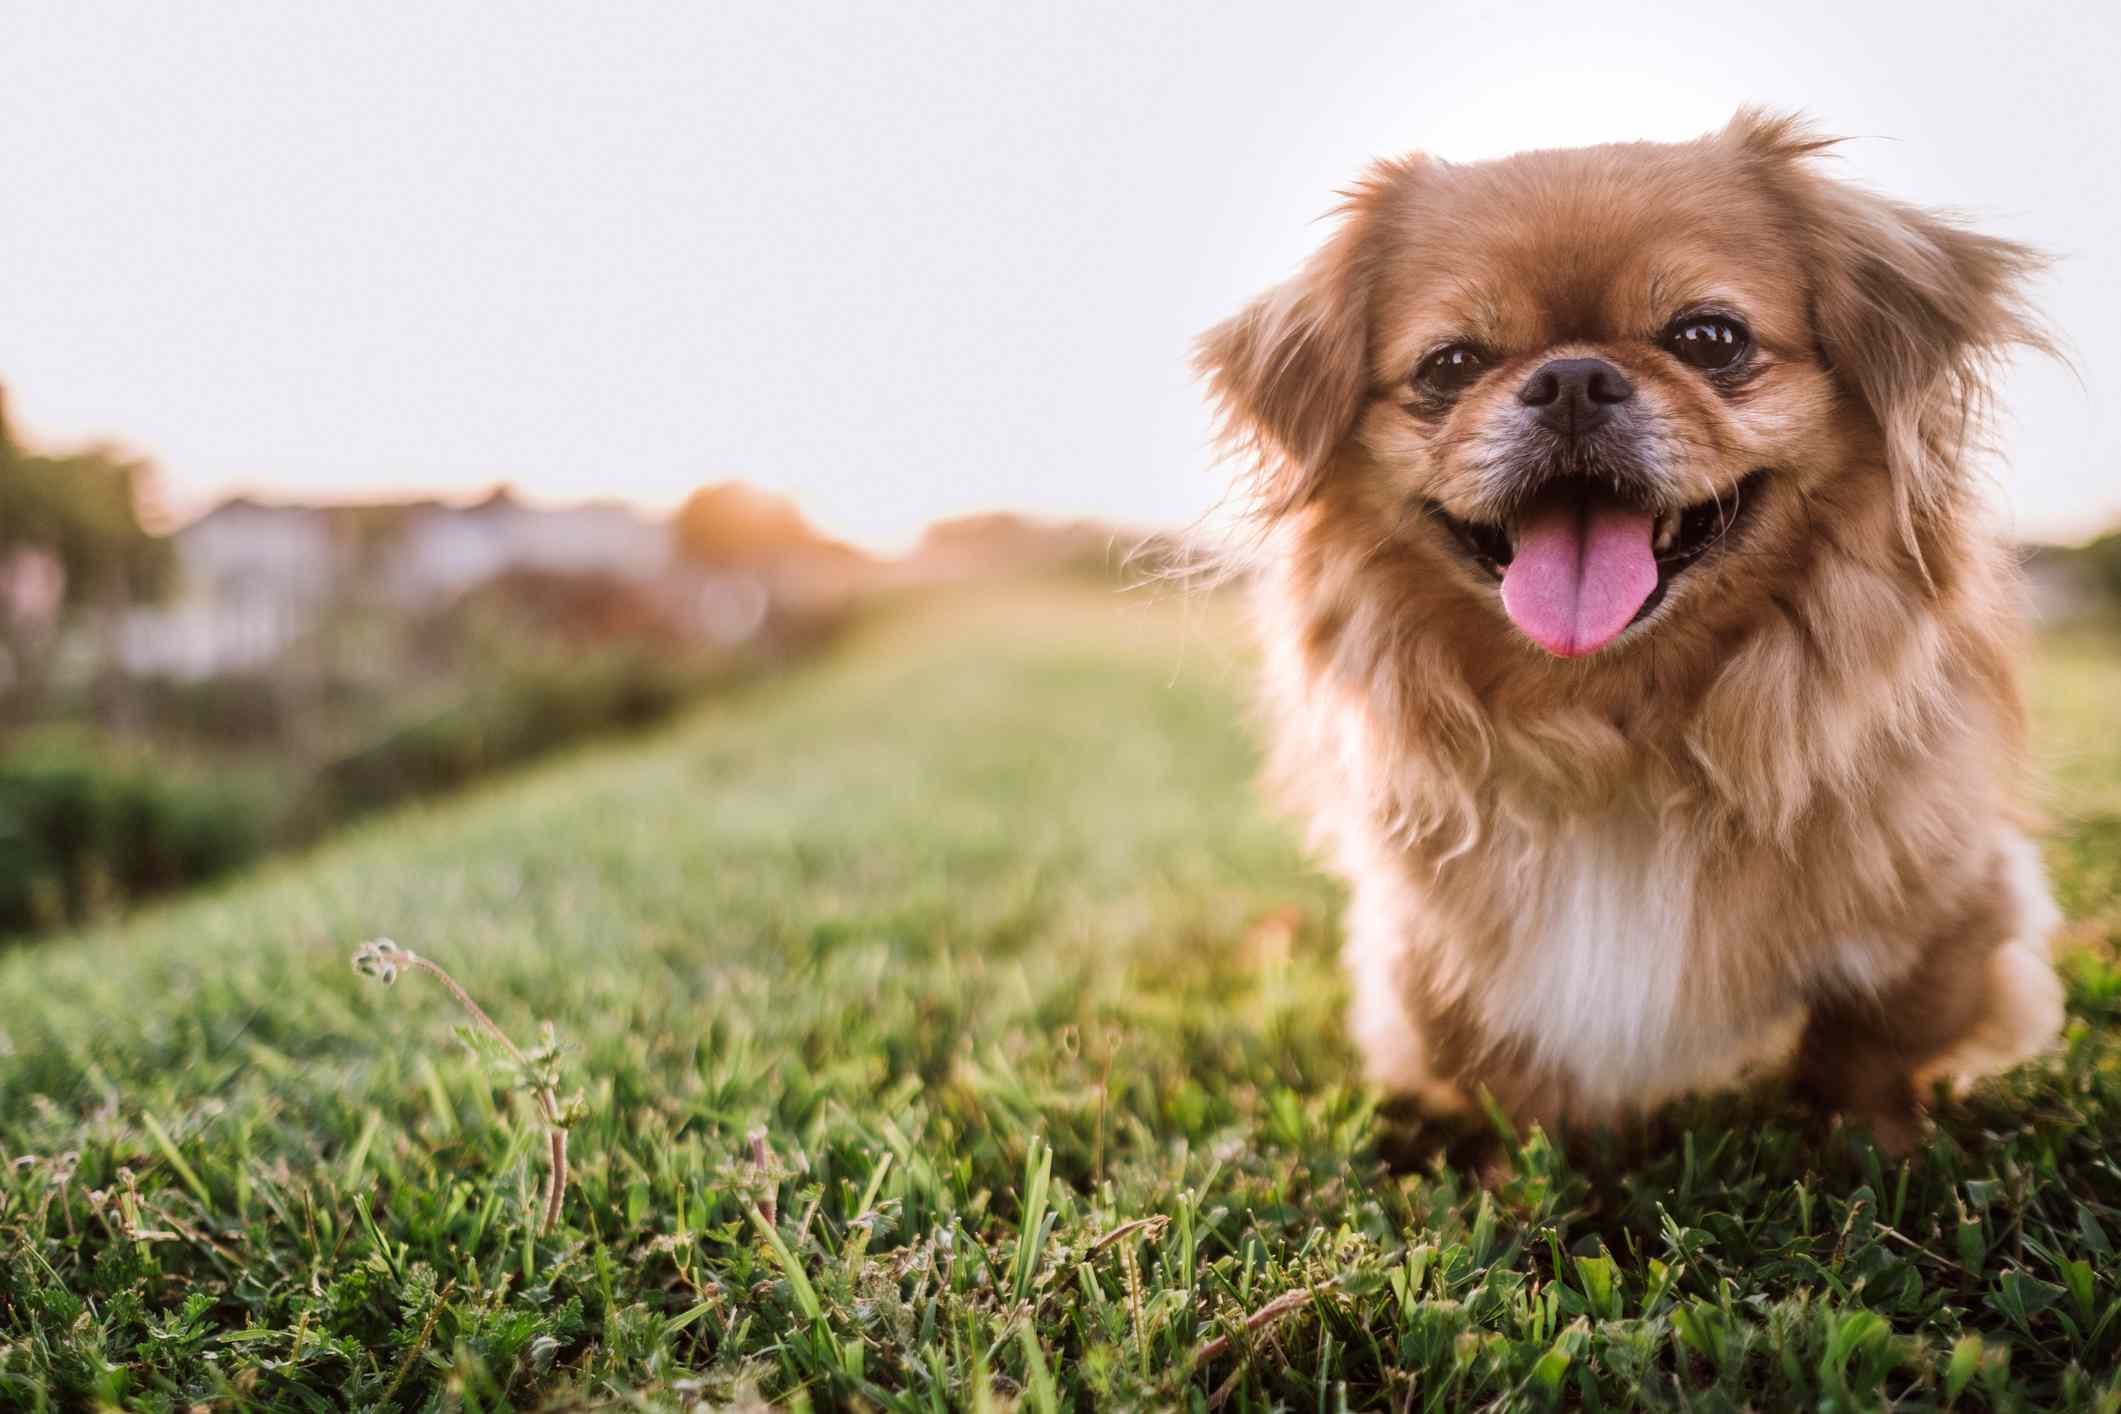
(393, 396)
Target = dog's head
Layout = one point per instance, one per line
(1593, 390)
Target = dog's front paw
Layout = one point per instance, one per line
(1897, 1129)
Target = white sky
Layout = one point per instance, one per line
(899, 261)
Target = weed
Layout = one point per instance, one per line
(383, 959)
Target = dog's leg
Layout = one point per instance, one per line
(1983, 997)
(1387, 992)
(2022, 1007)
(1432, 1051)
(1393, 1040)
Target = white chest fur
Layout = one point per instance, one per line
(1595, 979)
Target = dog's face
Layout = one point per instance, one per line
(1595, 390)
(1595, 364)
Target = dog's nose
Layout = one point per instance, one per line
(1574, 395)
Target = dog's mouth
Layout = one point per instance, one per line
(1579, 563)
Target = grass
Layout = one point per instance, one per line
(953, 1028)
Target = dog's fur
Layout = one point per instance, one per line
(1774, 820)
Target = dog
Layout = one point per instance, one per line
(1632, 637)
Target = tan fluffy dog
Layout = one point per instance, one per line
(1632, 640)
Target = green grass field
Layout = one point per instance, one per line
(953, 1027)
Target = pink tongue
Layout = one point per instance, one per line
(1580, 571)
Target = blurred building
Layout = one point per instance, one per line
(252, 577)
(444, 549)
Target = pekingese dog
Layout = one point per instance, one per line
(1633, 640)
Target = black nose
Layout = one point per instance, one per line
(1574, 395)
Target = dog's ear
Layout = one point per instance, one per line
(1912, 311)
(1289, 374)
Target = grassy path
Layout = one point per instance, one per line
(978, 926)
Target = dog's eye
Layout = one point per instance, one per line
(1450, 371)
(1710, 342)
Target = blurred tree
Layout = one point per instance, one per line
(71, 543)
(735, 524)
